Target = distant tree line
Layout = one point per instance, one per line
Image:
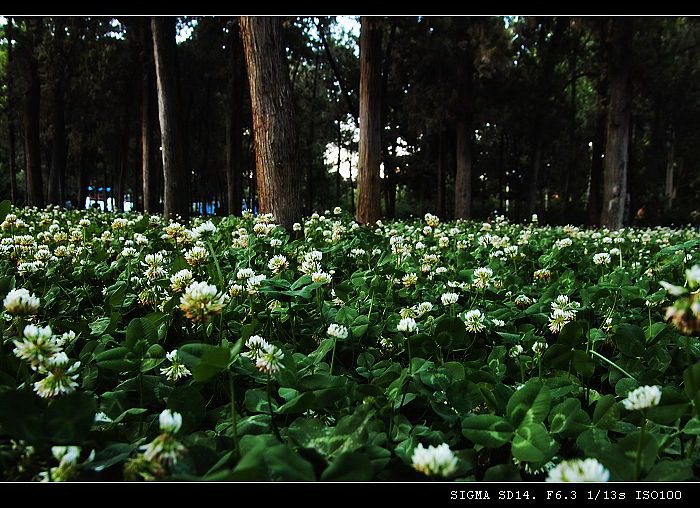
(580, 120)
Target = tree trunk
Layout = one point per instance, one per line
(441, 163)
(368, 184)
(234, 134)
(310, 146)
(58, 122)
(35, 186)
(176, 180)
(669, 191)
(9, 111)
(596, 178)
(59, 149)
(463, 179)
(617, 142)
(278, 177)
(534, 171)
(147, 170)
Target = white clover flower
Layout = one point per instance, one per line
(407, 325)
(563, 243)
(408, 280)
(58, 382)
(235, 290)
(66, 338)
(296, 226)
(202, 300)
(181, 280)
(170, 421)
(434, 460)
(602, 258)
(538, 347)
(196, 255)
(474, 321)
(588, 470)
(692, 275)
(253, 283)
(642, 398)
(515, 351)
(482, 277)
(557, 320)
(277, 263)
(270, 360)
(177, 370)
(245, 273)
(321, 277)
(203, 230)
(66, 455)
(498, 323)
(257, 346)
(423, 308)
(37, 347)
(20, 302)
(337, 331)
(449, 298)
(129, 252)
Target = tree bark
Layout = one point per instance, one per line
(278, 177)
(147, 177)
(368, 184)
(441, 170)
(176, 180)
(463, 179)
(9, 111)
(59, 149)
(617, 140)
(34, 180)
(234, 134)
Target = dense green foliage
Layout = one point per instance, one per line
(512, 388)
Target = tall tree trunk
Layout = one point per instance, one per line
(9, 111)
(148, 184)
(669, 190)
(368, 184)
(83, 178)
(234, 134)
(337, 171)
(35, 186)
(278, 177)
(310, 147)
(463, 178)
(535, 165)
(596, 178)
(441, 170)
(617, 142)
(176, 180)
(59, 149)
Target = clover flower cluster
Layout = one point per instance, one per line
(267, 357)
(579, 470)
(642, 398)
(434, 460)
(201, 301)
(176, 370)
(563, 311)
(44, 354)
(20, 302)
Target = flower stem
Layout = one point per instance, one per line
(273, 425)
(638, 461)
(233, 413)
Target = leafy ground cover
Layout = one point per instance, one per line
(229, 349)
